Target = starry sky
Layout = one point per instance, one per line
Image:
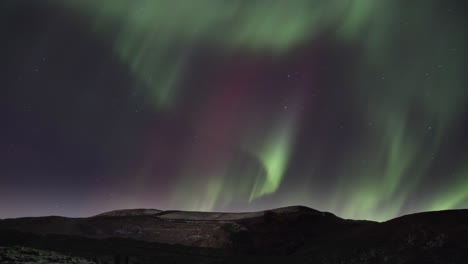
(356, 107)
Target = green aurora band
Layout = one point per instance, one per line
(401, 50)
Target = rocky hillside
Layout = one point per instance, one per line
(292, 234)
(249, 231)
(17, 255)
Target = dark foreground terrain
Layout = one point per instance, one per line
(292, 234)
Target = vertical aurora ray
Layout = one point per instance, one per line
(454, 197)
(274, 155)
(240, 176)
(389, 167)
(412, 104)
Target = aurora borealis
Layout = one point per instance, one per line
(357, 107)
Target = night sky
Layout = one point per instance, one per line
(357, 107)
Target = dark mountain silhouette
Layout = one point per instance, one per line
(295, 234)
